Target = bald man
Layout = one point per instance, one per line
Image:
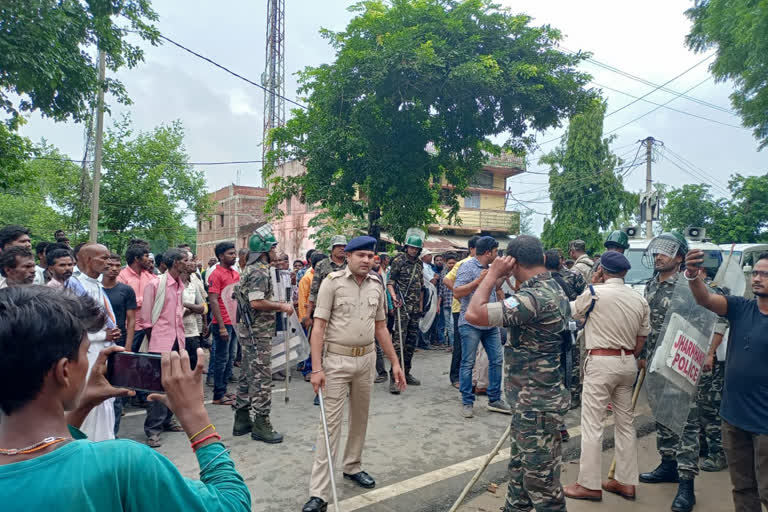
(91, 263)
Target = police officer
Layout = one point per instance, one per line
(257, 306)
(535, 316)
(337, 261)
(404, 286)
(351, 310)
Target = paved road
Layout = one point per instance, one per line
(419, 448)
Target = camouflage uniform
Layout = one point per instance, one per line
(684, 448)
(254, 388)
(577, 284)
(535, 316)
(322, 269)
(402, 272)
(583, 266)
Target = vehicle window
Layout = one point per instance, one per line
(639, 273)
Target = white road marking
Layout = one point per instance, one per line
(426, 479)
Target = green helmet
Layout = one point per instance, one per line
(680, 240)
(618, 238)
(262, 240)
(414, 241)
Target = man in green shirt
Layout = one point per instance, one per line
(47, 464)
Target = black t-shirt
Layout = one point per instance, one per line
(122, 298)
(745, 393)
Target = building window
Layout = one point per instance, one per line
(221, 220)
(472, 200)
(288, 206)
(199, 226)
(210, 225)
(483, 179)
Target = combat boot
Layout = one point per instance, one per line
(714, 463)
(243, 423)
(392, 385)
(685, 499)
(665, 472)
(411, 380)
(263, 431)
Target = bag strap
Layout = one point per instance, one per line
(413, 274)
(592, 305)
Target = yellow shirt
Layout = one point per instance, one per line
(451, 276)
(351, 310)
(304, 285)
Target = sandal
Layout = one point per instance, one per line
(174, 427)
(225, 400)
(154, 442)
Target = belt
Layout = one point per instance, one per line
(344, 350)
(610, 351)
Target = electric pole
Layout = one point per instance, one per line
(648, 188)
(94, 228)
(273, 78)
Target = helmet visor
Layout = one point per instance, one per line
(663, 246)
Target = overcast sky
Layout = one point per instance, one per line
(223, 115)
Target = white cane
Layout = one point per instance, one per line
(328, 452)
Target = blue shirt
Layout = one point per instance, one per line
(468, 272)
(745, 392)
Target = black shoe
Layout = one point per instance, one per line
(392, 386)
(685, 499)
(362, 479)
(382, 377)
(411, 380)
(665, 472)
(316, 401)
(315, 504)
(565, 436)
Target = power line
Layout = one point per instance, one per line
(224, 68)
(680, 164)
(692, 165)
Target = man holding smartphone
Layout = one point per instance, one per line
(163, 314)
(220, 287)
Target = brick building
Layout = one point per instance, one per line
(237, 211)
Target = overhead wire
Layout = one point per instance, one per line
(698, 177)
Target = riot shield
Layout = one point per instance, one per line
(430, 311)
(675, 367)
(298, 345)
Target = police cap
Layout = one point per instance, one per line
(361, 243)
(614, 262)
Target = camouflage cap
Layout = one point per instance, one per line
(337, 240)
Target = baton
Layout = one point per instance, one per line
(482, 469)
(328, 449)
(635, 394)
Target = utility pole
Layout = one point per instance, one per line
(273, 78)
(97, 151)
(648, 188)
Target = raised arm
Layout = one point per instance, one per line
(711, 301)
(477, 313)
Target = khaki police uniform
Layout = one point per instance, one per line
(349, 361)
(620, 315)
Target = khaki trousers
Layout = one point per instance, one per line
(608, 379)
(480, 371)
(344, 376)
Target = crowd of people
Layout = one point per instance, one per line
(558, 332)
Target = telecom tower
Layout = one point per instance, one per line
(273, 78)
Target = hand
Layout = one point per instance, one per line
(597, 276)
(709, 362)
(113, 334)
(224, 333)
(286, 308)
(317, 380)
(184, 389)
(97, 388)
(397, 303)
(694, 259)
(306, 322)
(482, 275)
(502, 266)
(206, 330)
(641, 364)
(397, 372)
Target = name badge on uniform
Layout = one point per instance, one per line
(511, 302)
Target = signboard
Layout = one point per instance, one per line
(686, 358)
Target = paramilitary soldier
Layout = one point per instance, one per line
(405, 278)
(535, 316)
(337, 261)
(257, 306)
(351, 312)
(679, 454)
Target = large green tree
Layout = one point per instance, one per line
(689, 205)
(148, 186)
(738, 30)
(416, 90)
(585, 186)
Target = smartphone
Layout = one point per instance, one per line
(135, 371)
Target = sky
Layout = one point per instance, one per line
(223, 116)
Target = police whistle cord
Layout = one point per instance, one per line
(328, 452)
(635, 395)
(481, 470)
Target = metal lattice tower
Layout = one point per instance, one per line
(273, 77)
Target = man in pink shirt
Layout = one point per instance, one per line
(137, 275)
(164, 327)
(220, 288)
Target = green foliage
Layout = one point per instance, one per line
(45, 57)
(14, 151)
(147, 186)
(327, 226)
(742, 219)
(413, 74)
(738, 29)
(587, 193)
